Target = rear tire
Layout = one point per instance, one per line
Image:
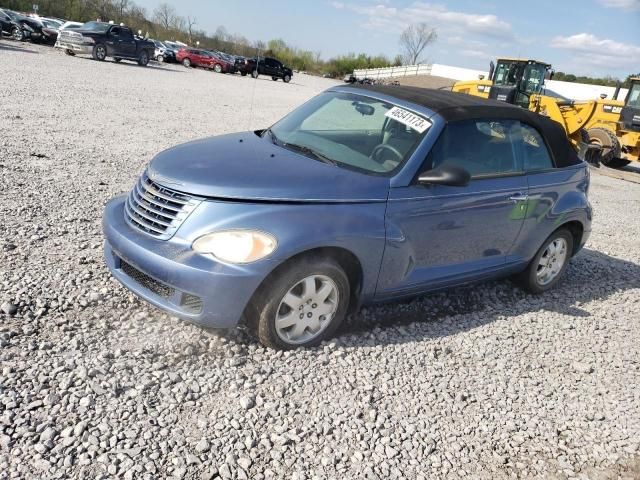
(186, 62)
(549, 264)
(316, 289)
(254, 74)
(275, 79)
(160, 59)
(117, 59)
(244, 74)
(71, 53)
(609, 143)
(143, 59)
(99, 52)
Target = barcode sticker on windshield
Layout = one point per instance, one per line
(409, 119)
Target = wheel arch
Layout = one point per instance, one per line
(347, 260)
(576, 228)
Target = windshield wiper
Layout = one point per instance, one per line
(309, 151)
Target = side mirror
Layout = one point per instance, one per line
(445, 175)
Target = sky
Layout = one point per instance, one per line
(583, 37)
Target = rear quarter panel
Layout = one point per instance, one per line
(556, 197)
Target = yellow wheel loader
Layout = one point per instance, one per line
(611, 125)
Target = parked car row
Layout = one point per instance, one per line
(22, 27)
(102, 40)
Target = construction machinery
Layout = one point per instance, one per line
(611, 125)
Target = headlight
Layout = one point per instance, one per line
(483, 88)
(236, 246)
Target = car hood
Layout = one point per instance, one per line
(245, 166)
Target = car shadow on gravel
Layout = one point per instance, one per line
(14, 48)
(591, 275)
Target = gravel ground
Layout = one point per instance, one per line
(478, 382)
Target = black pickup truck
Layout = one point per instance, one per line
(102, 40)
(265, 66)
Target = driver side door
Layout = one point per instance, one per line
(440, 235)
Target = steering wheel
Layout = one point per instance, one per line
(384, 146)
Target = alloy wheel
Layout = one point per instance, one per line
(307, 309)
(551, 261)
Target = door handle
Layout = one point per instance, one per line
(519, 197)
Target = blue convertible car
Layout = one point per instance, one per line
(361, 195)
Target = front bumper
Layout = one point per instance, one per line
(74, 47)
(171, 276)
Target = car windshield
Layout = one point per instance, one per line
(96, 26)
(351, 131)
(13, 15)
(52, 24)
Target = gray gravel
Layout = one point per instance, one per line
(479, 382)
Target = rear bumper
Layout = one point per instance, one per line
(171, 276)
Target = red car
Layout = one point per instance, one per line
(221, 64)
(191, 57)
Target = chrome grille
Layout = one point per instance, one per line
(157, 210)
(71, 37)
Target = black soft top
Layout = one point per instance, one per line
(453, 106)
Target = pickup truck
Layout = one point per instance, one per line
(266, 66)
(102, 40)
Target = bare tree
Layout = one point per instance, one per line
(191, 21)
(414, 40)
(165, 15)
(122, 6)
(221, 34)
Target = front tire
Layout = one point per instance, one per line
(217, 68)
(71, 53)
(254, 74)
(304, 303)
(17, 34)
(117, 59)
(549, 264)
(186, 62)
(609, 143)
(275, 79)
(244, 74)
(143, 59)
(99, 52)
(160, 59)
(286, 78)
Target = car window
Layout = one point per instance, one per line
(126, 34)
(482, 147)
(534, 151)
(115, 31)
